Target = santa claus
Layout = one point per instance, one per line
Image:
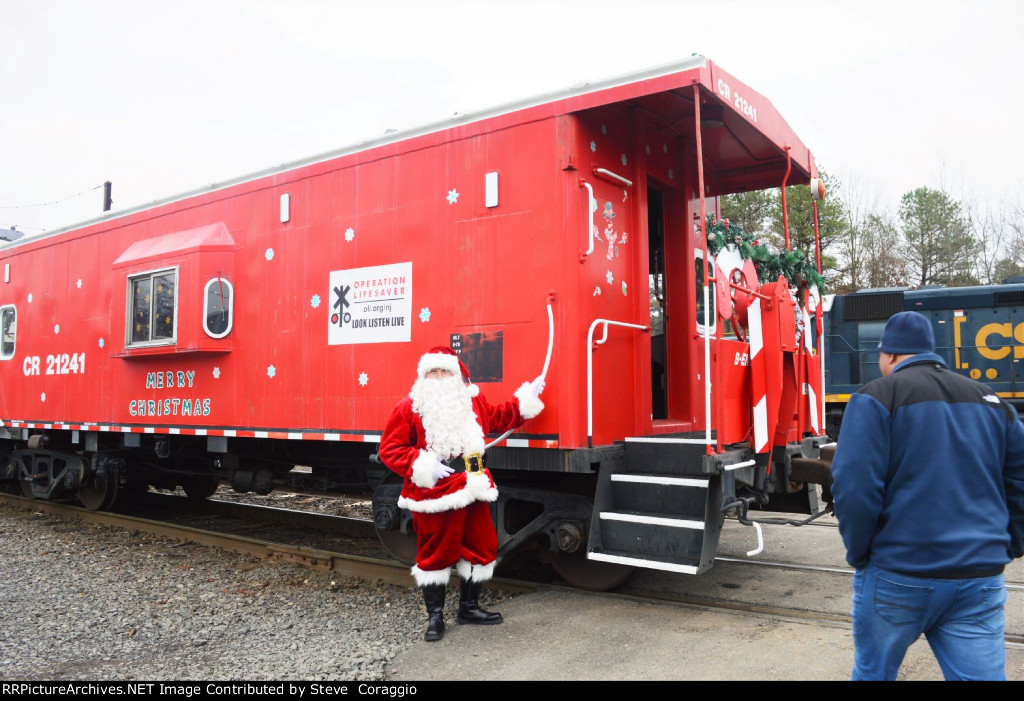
(434, 439)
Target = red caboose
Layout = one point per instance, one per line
(234, 333)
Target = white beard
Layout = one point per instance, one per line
(445, 406)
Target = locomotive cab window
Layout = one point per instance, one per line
(218, 301)
(152, 308)
(8, 331)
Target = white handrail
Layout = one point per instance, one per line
(707, 361)
(760, 540)
(602, 171)
(543, 373)
(591, 208)
(590, 366)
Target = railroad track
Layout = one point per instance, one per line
(233, 526)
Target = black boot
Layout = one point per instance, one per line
(433, 596)
(469, 610)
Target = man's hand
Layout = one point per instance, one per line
(537, 386)
(441, 470)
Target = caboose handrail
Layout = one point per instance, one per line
(608, 174)
(591, 344)
(591, 208)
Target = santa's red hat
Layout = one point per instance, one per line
(444, 358)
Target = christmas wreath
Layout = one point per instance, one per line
(793, 265)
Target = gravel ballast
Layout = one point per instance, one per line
(89, 602)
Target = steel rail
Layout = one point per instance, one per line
(398, 573)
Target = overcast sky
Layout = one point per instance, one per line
(165, 97)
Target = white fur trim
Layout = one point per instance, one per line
(475, 573)
(425, 578)
(529, 405)
(423, 470)
(438, 361)
(477, 489)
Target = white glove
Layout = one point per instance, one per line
(441, 470)
(537, 386)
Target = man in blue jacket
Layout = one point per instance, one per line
(929, 493)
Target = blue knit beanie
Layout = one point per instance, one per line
(907, 333)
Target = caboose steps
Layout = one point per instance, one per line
(660, 507)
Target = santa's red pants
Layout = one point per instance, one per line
(442, 539)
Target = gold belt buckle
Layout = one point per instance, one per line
(474, 463)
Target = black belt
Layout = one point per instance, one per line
(472, 464)
(954, 574)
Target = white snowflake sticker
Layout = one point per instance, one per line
(314, 301)
(593, 147)
(56, 328)
(609, 277)
(30, 298)
(216, 373)
(101, 342)
(453, 196)
(270, 254)
(425, 314)
(42, 397)
(79, 283)
(271, 371)
(624, 159)
(350, 234)
(363, 379)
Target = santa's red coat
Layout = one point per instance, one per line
(403, 449)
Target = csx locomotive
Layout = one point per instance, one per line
(979, 331)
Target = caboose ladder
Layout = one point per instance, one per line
(659, 508)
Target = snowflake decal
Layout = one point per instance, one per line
(42, 397)
(101, 342)
(597, 291)
(425, 314)
(609, 277)
(453, 196)
(604, 129)
(350, 234)
(363, 379)
(79, 283)
(314, 301)
(664, 147)
(270, 254)
(593, 147)
(623, 289)
(30, 298)
(671, 175)
(271, 371)
(623, 159)
(56, 328)
(648, 150)
(216, 373)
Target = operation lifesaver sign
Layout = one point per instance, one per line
(370, 305)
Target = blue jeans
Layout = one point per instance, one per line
(962, 619)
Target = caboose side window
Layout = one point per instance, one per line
(152, 306)
(8, 331)
(218, 302)
(698, 276)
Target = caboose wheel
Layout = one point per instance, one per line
(98, 493)
(26, 489)
(199, 487)
(591, 575)
(401, 546)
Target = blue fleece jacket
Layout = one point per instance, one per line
(929, 473)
